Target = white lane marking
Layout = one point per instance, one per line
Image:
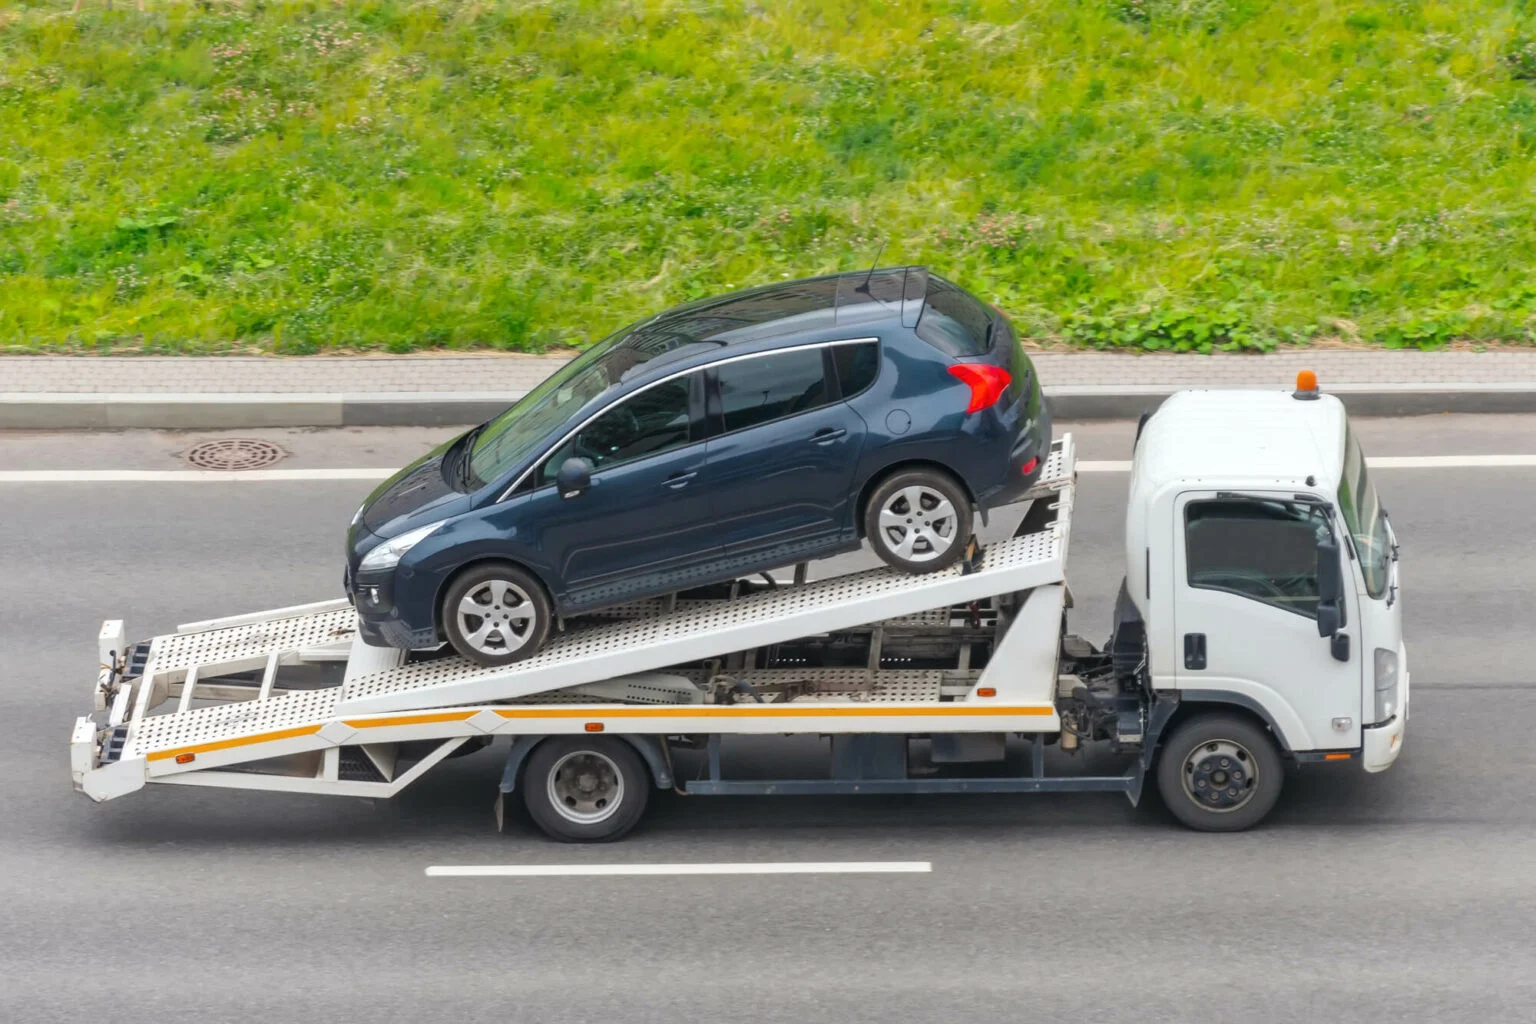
(203, 476)
(182, 476)
(852, 867)
(1378, 462)
(1449, 461)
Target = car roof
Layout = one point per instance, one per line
(1249, 436)
(790, 308)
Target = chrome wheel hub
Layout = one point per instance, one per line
(496, 617)
(586, 787)
(919, 523)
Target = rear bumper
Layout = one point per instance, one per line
(1032, 445)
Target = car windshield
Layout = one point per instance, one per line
(1363, 516)
(510, 438)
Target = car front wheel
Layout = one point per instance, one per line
(496, 614)
(919, 520)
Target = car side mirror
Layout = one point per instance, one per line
(574, 478)
(1330, 588)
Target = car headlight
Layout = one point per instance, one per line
(388, 554)
(1386, 684)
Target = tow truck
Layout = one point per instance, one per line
(1257, 632)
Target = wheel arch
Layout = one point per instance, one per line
(648, 747)
(449, 578)
(1197, 702)
(882, 475)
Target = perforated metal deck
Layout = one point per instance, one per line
(620, 648)
(251, 641)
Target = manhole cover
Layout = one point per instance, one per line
(234, 453)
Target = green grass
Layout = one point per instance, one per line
(401, 175)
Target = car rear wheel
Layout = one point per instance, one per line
(919, 520)
(496, 614)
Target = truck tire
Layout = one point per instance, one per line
(585, 790)
(1220, 773)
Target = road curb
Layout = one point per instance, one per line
(68, 411)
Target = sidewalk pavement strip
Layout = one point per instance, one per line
(216, 392)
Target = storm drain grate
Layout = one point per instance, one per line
(234, 453)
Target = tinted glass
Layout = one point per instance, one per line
(655, 420)
(1264, 550)
(771, 386)
(547, 409)
(856, 366)
(954, 321)
(1363, 517)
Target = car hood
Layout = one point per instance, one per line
(417, 495)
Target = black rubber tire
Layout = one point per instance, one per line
(636, 791)
(1211, 728)
(473, 577)
(965, 514)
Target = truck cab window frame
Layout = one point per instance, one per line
(1260, 549)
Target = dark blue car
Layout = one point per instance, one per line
(719, 439)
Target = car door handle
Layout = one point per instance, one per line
(826, 435)
(677, 481)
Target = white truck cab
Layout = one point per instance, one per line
(1265, 570)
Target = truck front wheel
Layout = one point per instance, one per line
(1220, 773)
(581, 790)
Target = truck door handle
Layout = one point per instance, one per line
(826, 435)
(677, 481)
(1194, 650)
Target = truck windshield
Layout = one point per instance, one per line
(1362, 515)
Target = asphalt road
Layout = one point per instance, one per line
(1402, 897)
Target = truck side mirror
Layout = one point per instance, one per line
(574, 477)
(1330, 588)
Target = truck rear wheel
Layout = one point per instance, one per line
(581, 790)
(1220, 773)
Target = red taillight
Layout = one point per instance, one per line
(987, 383)
(1029, 467)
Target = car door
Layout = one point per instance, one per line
(781, 468)
(1245, 613)
(645, 518)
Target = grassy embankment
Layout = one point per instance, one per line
(401, 175)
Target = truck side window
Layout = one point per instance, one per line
(1262, 550)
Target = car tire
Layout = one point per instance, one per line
(496, 614)
(585, 790)
(919, 520)
(1220, 773)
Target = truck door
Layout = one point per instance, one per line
(1245, 614)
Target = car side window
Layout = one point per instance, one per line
(857, 366)
(646, 423)
(771, 386)
(1262, 550)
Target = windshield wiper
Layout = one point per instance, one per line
(463, 475)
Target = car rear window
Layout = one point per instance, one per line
(954, 321)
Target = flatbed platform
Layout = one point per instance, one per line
(604, 676)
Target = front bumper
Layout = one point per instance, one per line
(1383, 743)
(379, 621)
